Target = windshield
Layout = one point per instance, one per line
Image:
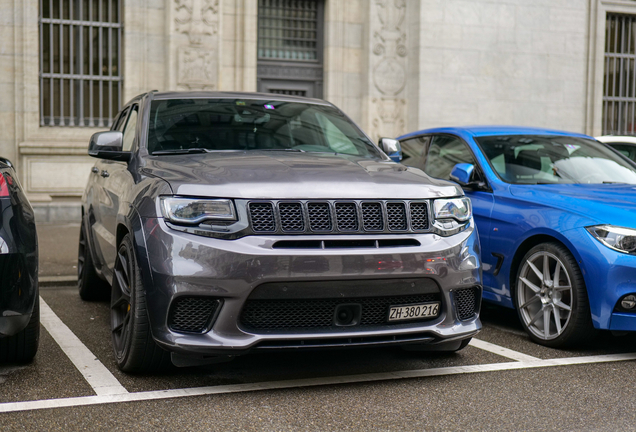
(200, 125)
(537, 159)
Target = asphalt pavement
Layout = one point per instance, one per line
(502, 381)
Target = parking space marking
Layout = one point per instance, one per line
(499, 350)
(308, 382)
(98, 377)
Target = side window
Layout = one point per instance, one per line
(120, 121)
(444, 153)
(129, 130)
(413, 150)
(626, 150)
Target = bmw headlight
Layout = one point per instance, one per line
(617, 238)
(194, 210)
(454, 208)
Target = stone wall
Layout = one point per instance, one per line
(393, 66)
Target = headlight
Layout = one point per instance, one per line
(455, 208)
(617, 238)
(193, 211)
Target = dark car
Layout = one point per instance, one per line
(19, 297)
(556, 213)
(625, 145)
(231, 222)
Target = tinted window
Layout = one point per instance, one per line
(129, 130)
(626, 149)
(229, 124)
(413, 150)
(533, 159)
(119, 123)
(444, 153)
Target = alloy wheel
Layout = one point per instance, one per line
(81, 255)
(545, 296)
(120, 306)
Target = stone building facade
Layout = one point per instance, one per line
(392, 65)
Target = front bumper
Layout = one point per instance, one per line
(176, 265)
(609, 275)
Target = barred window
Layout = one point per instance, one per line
(80, 62)
(288, 29)
(619, 86)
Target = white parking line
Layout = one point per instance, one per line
(309, 382)
(499, 350)
(100, 379)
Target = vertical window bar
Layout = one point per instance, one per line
(61, 65)
(41, 25)
(80, 65)
(71, 51)
(110, 61)
(51, 62)
(90, 65)
(100, 64)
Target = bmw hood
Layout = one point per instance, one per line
(613, 204)
(281, 175)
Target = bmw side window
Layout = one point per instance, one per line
(413, 149)
(129, 130)
(444, 153)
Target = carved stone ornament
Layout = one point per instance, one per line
(389, 67)
(196, 19)
(197, 69)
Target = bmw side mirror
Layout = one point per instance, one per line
(392, 148)
(108, 145)
(464, 175)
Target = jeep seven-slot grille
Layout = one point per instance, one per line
(344, 217)
(319, 313)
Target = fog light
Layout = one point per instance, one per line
(629, 302)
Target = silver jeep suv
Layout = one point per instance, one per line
(223, 223)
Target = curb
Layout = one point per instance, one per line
(47, 281)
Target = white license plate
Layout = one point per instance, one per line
(422, 310)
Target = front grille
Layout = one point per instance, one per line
(192, 314)
(319, 313)
(291, 217)
(419, 216)
(262, 216)
(396, 216)
(319, 216)
(466, 302)
(338, 217)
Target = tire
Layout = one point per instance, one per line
(444, 347)
(22, 347)
(135, 349)
(91, 287)
(553, 314)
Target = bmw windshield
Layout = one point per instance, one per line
(206, 125)
(545, 159)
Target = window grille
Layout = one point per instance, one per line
(288, 29)
(288, 92)
(80, 62)
(619, 86)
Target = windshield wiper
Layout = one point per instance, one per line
(181, 151)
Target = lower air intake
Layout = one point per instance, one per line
(467, 302)
(192, 314)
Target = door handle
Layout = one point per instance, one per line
(105, 173)
(94, 170)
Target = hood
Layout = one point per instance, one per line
(281, 175)
(613, 204)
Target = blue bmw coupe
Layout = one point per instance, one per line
(556, 214)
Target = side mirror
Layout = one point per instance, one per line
(6, 161)
(108, 145)
(392, 148)
(463, 174)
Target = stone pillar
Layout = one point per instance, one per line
(194, 49)
(388, 66)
